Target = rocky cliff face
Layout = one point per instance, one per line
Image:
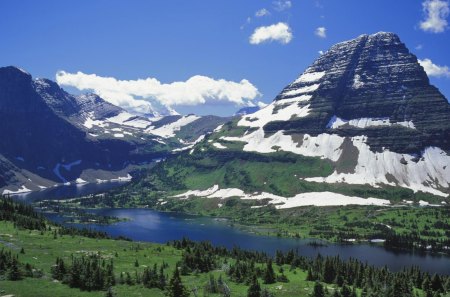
(367, 106)
(50, 136)
(376, 82)
(37, 137)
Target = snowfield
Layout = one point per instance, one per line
(269, 114)
(428, 174)
(324, 145)
(22, 189)
(303, 199)
(337, 122)
(169, 130)
(219, 146)
(309, 77)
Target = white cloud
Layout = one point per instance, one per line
(434, 70)
(419, 47)
(262, 12)
(320, 52)
(436, 12)
(321, 32)
(278, 32)
(281, 5)
(134, 95)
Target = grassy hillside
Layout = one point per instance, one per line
(205, 269)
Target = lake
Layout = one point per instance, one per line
(153, 226)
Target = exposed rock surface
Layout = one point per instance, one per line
(50, 136)
(371, 77)
(368, 106)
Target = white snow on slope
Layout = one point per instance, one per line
(427, 174)
(323, 145)
(218, 128)
(22, 189)
(127, 119)
(310, 77)
(190, 145)
(303, 199)
(80, 181)
(90, 122)
(301, 98)
(269, 114)
(336, 122)
(302, 90)
(169, 130)
(219, 145)
(198, 193)
(357, 83)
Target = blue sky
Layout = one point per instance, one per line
(174, 41)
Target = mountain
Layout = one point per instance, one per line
(363, 121)
(55, 137)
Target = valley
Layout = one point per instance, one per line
(340, 186)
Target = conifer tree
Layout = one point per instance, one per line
(318, 290)
(14, 273)
(269, 275)
(176, 287)
(255, 289)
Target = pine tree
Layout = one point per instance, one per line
(269, 275)
(255, 289)
(176, 287)
(318, 290)
(14, 272)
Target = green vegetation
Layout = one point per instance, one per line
(43, 259)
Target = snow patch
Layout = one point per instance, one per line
(336, 122)
(323, 145)
(303, 199)
(80, 181)
(22, 189)
(357, 83)
(310, 77)
(218, 128)
(427, 175)
(302, 90)
(269, 114)
(301, 98)
(219, 145)
(128, 119)
(169, 130)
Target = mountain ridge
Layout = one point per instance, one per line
(362, 121)
(55, 137)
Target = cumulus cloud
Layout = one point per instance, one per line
(281, 5)
(321, 32)
(134, 95)
(277, 32)
(262, 12)
(434, 70)
(436, 13)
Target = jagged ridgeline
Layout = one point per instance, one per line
(363, 120)
(52, 137)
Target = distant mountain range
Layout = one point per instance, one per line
(363, 121)
(51, 137)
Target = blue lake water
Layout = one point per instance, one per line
(153, 226)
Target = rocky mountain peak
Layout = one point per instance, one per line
(370, 79)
